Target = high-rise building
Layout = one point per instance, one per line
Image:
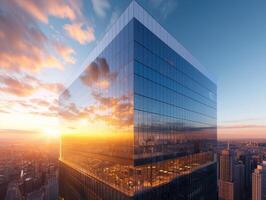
(226, 175)
(259, 182)
(3, 186)
(256, 184)
(139, 122)
(239, 181)
(248, 163)
(231, 176)
(226, 164)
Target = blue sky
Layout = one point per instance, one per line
(227, 37)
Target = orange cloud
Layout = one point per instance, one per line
(65, 95)
(40, 102)
(32, 62)
(242, 131)
(42, 9)
(80, 32)
(10, 105)
(26, 85)
(243, 126)
(98, 74)
(52, 87)
(15, 131)
(23, 45)
(34, 106)
(119, 110)
(26, 49)
(3, 111)
(16, 87)
(69, 112)
(115, 111)
(64, 9)
(65, 52)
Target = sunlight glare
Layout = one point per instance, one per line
(52, 133)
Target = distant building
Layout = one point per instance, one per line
(13, 192)
(3, 186)
(226, 170)
(259, 182)
(248, 163)
(239, 181)
(51, 188)
(36, 195)
(234, 174)
(226, 165)
(226, 190)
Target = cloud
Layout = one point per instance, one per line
(115, 111)
(64, 9)
(26, 85)
(80, 32)
(100, 7)
(16, 131)
(26, 49)
(65, 52)
(165, 7)
(244, 121)
(40, 102)
(23, 45)
(156, 3)
(65, 95)
(113, 19)
(47, 107)
(118, 110)
(239, 131)
(42, 9)
(69, 112)
(244, 126)
(98, 74)
(52, 87)
(11, 105)
(14, 86)
(2, 110)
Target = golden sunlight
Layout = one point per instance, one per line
(52, 133)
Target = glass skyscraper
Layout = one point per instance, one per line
(139, 122)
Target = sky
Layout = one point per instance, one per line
(44, 44)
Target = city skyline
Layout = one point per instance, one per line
(49, 41)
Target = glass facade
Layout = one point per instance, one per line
(138, 123)
(97, 114)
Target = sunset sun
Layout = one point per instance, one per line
(52, 133)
